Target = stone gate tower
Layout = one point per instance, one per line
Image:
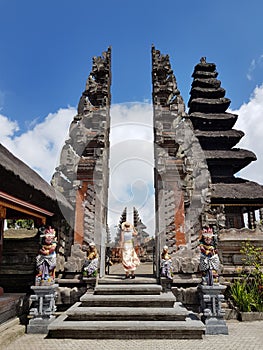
(182, 179)
(83, 173)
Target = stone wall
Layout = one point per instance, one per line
(17, 270)
(229, 244)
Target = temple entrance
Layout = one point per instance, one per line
(125, 156)
(131, 181)
(174, 167)
(143, 274)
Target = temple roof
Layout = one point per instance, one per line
(213, 121)
(207, 95)
(237, 190)
(207, 92)
(209, 105)
(235, 153)
(200, 74)
(236, 159)
(204, 66)
(14, 173)
(218, 139)
(213, 125)
(206, 83)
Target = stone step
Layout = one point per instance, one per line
(153, 289)
(128, 300)
(189, 329)
(9, 305)
(79, 313)
(118, 279)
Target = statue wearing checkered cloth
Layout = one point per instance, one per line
(209, 260)
(46, 259)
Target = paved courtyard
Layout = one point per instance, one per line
(242, 336)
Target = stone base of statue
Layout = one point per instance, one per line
(211, 298)
(166, 284)
(39, 325)
(43, 308)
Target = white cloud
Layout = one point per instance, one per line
(251, 69)
(7, 129)
(131, 163)
(40, 146)
(131, 153)
(254, 66)
(250, 120)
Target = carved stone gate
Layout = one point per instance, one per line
(83, 173)
(191, 188)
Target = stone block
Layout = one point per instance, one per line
(39, 325)
(250, 316)
(187, 296)
(215, 325)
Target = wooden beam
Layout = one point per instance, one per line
(11, 202)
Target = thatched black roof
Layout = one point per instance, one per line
(204, 66)
(208, 105)
(206, 83)
(238, 190)
(219, 133)
(19, 180)
(199, 92)
(219, 139)
(199, 74)
(233, 154)
(217, 116)
(235, 158)
(213, 121)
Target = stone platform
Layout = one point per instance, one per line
(9, 305)
(127, 309)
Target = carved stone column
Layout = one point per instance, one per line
(42, 311)
(211, 298)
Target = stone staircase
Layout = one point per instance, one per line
(129, 309)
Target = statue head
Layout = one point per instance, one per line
(48, 235)
(126, 226)
(207, 235)
(92, 245)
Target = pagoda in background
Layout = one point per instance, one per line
(231, 196)
(139, 226)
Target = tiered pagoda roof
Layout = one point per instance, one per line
(213, 127)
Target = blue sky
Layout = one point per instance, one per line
(46, 50)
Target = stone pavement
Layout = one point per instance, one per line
(242, 336)
(144, 269)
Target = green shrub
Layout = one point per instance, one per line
(247, 291)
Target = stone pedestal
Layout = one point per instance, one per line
(43, 307)
(211, 298)
(166, 284)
